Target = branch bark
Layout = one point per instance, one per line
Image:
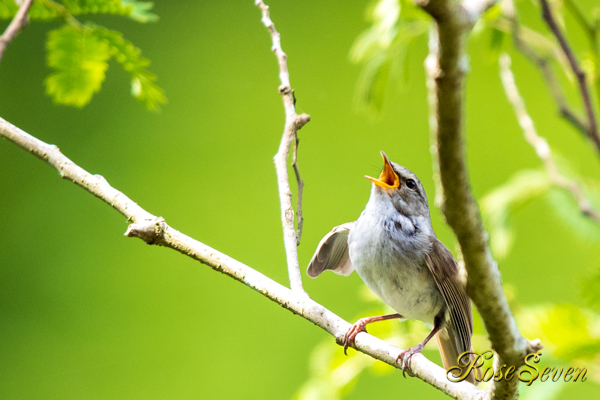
(592, 124)
(15, 26)
(539, 144)
(293, 122)
(484, 284)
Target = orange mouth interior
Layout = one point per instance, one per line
(388, 178)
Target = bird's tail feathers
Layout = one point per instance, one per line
(449, 352)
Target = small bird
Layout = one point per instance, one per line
(395, 251)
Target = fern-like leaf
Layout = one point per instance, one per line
(79, 60)
(136, 10)
(130, 57)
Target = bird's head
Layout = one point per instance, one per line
(402, 187)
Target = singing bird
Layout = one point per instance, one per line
(395, 251)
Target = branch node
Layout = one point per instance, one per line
(533, 346)
(150, 231)
(101, 178)
(301, 120)
(285, 90)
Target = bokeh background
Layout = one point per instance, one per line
(88, 313)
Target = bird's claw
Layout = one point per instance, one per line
(405, 358)
(359, 326)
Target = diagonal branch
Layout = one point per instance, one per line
(293, 122)
(591, 30)
(15, 26)
(154, 230)
(592, 124)
(539, 144)
(543, 63)
(484, 284)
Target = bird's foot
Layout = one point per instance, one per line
(404, 359)
(359, 326)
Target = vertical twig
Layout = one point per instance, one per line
(293, 122)
(592, 125)
(15, 26)
(432, 70)
(300, 189)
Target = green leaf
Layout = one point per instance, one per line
(79, 60)
(591, 289)
(79, 57)
(38, 10)
(382, 49)
(372, 82)
(140, 10)
(550, 391)
(136, 10)
(8, 9)
(568, 332)
(497, 39)
(332, 373)
(498, 205)
(130, 57)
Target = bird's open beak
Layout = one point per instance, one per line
(388, 178)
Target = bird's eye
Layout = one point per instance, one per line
(411, 183)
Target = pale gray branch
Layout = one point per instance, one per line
(431, 68)
(15, 26)
(539, 144)
(154, 230)
(293, 122)
(484, 284)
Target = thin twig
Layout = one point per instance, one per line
(293, 122)
(592, 125)
(300, 189)
(588, 28)
(154, 230)
(591, 31)
(544, 64)
(15, 26)
(484, 283)
(539, 144)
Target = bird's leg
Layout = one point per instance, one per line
(406, 356)
(360, 326)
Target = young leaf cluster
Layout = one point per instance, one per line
(79, 54)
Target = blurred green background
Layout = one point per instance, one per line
(88, 313)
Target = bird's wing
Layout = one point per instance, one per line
(444, 269)
(332, 253)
